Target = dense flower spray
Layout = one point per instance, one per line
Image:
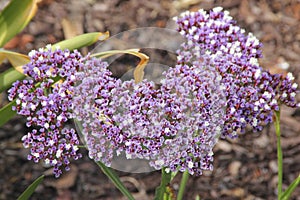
(252, 93)
(47, 104)
(216, 89)
(173, 126)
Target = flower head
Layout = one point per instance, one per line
(252, 93)
(46, 105)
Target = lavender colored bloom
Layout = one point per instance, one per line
(46, 105)
(216, 89)
(173, 126)
(252, 93)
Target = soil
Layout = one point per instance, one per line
(244, 168)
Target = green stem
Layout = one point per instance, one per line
(279, 152)
(184, 179)
(115, 179)
(165, 180)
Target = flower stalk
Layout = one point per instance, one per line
(165, 180)
(184, 179)
(279, 152)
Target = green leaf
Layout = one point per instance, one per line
(8, 77)
(14, 17)
(115, 179)
(286, 195)
(6, 112)
(81, 40)
(17, 60)
(29, 191)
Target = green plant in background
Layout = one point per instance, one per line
(216, 89)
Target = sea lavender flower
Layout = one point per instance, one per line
(173, 126)
(46, 105)
(216, 89)
(252, 93)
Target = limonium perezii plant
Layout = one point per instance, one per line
(215, 90)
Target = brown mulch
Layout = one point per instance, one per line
(244, 168)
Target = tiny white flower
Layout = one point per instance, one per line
(59, 118)
(217, 9)
(159, 162)
(273, 102)
(75, 148)
(267, 107)
(36, 155)
(47, 161)
(24, 104)
(295, 85)
(51, 142)
(284, 95)
(68, 146)
(46, 125)
(262, 101)
(48, 73)
(290, 76)
(58, 153)
(257, 74)
(54, 162)
(254, 122)
(293, 94)
(31, 53)
(267, 95)
(128, 156)
(44, 103)
(99, 154)
(255, 108)
(21, 95)
(232, 110)
(72, 77)
(242, 120)
(33, 107)
(190, 164)
(186, 22)
(66, 54)
(196, 37)
(48, 46)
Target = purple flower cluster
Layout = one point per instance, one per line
(252, 93)
(216, 89)
(46, 105)
(175, 126)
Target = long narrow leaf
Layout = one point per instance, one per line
(6, 113)
(115, 179)
(82, 40)
(286, 195)
(8, 77)
(14, 17)
(17, 60)
(29, 191)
